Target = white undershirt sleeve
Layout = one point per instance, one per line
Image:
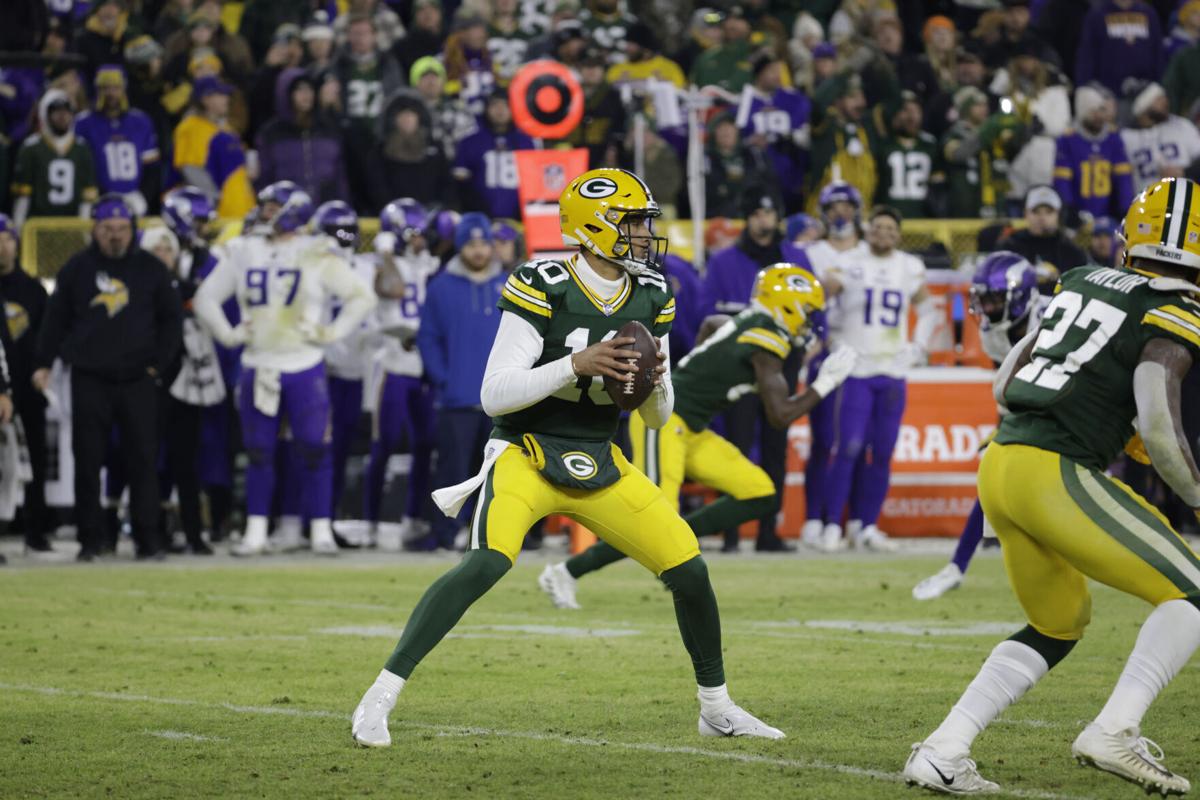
(219, 286)
(658, 407)
(511, 382)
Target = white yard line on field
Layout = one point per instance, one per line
(537, 736)
(184, 736)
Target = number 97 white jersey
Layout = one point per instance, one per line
(282, 287)
(875, 300)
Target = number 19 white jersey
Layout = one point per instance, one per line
(875, 300)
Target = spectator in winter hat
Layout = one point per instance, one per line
(1121, 41)
(1186, 31)
(388, 27)
(1158, 143)
(1092, 172)
(941, 48)
(704, 33)
(450, 119)
(318, 43)
(424, 37)
(300, 143)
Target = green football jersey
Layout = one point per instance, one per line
(1075, 397)
(56, 184)
(552, 297)
(713, 376)
(907, 167)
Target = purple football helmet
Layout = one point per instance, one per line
(8, 226)
(337, 219)
(1002, 289)
(406, 219)
(295, 206)
(188, 212)
(840, 191)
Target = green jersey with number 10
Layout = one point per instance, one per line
(551, 296)
(1075, 396)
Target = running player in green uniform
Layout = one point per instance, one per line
(1113, 346)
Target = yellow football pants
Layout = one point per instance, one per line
(631, 515)
(1058, 522)
(675, 452)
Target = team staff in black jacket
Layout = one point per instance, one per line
(116, 319)
(24, 300)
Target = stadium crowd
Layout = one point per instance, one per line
(1053, 113)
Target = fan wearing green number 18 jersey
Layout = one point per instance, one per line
(1112, 348)
(551, 450)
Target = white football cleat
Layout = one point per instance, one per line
(831, 539)
(288, 536)
(369, 725)
(871, 538)
(325, 545)
(949, 775)
(1127, 754)
(250, 545)
(560, 585)
(947, 578)
(736, 721)
(810, 533)
(387, 537)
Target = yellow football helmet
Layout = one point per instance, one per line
(595, 212)
(790, 294)
(1163, 224)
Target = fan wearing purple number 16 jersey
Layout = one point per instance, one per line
(282, 280)
(878, 289)
(405, 408)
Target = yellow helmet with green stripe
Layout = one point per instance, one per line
(596, 211)
(1163, 224)
(790, 294)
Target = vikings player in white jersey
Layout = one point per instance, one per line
(878, 289)
(841, 207)
(348, 360)
(1005, 300)
(405, 407)
(281, 279)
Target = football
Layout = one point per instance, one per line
(628, 395)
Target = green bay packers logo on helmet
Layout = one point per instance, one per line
(596, 188)
(580, 465)
(611, 213)
(790, 294)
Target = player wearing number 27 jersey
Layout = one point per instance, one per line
(282, 281)
(1113, 346)
(551, 450)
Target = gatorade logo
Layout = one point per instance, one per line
(580, 465)
(596, 188)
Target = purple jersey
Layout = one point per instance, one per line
(486, 160)
(478, 81)
(782, 119)
(1093, 175)
(121, 147)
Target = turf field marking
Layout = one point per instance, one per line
(908, 628)
(184, 736)
(459, 730)
(392, 632)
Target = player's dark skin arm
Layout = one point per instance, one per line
(1174, 361)
(709, 326)
(781, 407)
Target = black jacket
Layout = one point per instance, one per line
(1056, 250)
(24, 307)
(114, 318)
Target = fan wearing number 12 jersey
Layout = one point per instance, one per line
(551, 450)
(1113, 347)
(282, 281)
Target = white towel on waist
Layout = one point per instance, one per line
(452, 498)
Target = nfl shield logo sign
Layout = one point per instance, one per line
(554, 178)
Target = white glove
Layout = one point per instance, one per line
(913, 355)
(385, 243)
(834, 370)
(238, 335)
(314, 333)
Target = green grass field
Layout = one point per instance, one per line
(238, 679)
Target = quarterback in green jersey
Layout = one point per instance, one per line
(734, 356)
(1113, 348)
(551, 450)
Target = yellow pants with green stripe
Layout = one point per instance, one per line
(632, 514)
(1059, 523)
(674, 452)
